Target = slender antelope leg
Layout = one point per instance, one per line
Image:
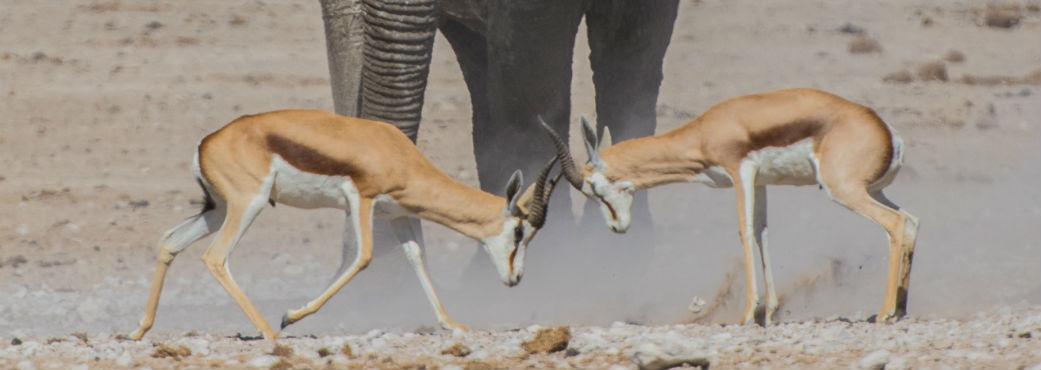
(361, 221)
(910, 235)
(759, 226)
(405, 229)
(893, 221)
(240, 214)
(744, 186)
(173, 242)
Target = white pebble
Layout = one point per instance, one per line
(874, 361)
(263, 361)
(124, 360)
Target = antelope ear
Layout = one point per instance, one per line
(512, 189)
(592, 143)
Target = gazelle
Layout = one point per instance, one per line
(787, 137)
(314, 159)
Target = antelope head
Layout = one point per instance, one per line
(614, 195)
(520, 224)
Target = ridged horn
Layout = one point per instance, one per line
(540, 197)
(567, 164)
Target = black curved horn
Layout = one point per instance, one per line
(567, 164)
(540, 197)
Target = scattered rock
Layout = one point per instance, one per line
(125, 360)
(265, 361)
(852, 29)
(874, 361)
(153, 25)
(324, 352)
(164, 350)
(864, 45)
(548, 340)
(282, 351)
(697, 304)
(457, 350)
(954, 56)
(16, 342)
(933, 71)
(899, 77)
(14, 261)
(282, 364)
(897, 363)
(81, 336)
(1002, 18)
(651, 357)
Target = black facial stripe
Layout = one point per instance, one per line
(614, 215)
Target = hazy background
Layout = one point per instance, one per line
(102, 102)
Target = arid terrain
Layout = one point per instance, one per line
(103, 101)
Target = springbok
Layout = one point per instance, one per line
(787, 137)
(314, 159)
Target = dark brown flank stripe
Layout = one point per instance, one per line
(307, 159)
(784, 135)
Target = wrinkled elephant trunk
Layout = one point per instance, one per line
(379, 57)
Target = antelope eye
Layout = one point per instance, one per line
(518, 234)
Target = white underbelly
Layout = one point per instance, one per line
(300, 189)
(789, 165)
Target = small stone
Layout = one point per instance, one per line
(697, 304)
(864, 45)
(852, 29)
(16, 342)
(124, 360)
(1002, 18)
(265, 361)
(324, 352)
(874, 361)
(548, 340)
(457, 350)
(933, 71)
(900, 77)
(897, 363)
(282, 351)
(954, 56)
(167, 351)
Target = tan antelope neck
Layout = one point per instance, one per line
(326, 144)
(729, 132)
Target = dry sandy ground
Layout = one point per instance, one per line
(101, 103)
(1008, 339)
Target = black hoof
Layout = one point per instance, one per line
(285, 321)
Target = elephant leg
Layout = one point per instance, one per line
(471, 51)
(628, 40)
(530, 47)
(399, 39)
(344, 37)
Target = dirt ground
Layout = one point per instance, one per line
(102, 102)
